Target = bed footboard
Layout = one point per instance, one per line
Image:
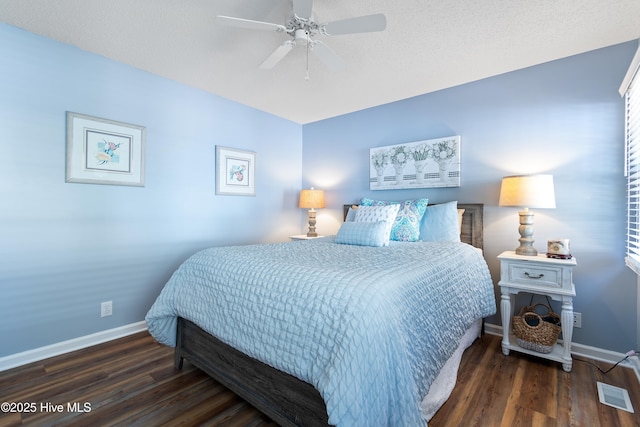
(282, 397)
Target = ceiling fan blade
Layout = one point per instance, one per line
(303, 8)
(248, 23)
(326, 55)
(278, 54)
(361, 24)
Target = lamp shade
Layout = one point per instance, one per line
(530, 191)
(311, 199)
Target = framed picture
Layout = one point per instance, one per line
(235, 172)
(101, 151)
(422, 164)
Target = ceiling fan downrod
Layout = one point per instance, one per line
(306, 77)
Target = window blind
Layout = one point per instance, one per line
(631, 90)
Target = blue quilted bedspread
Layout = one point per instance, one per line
(369, 327)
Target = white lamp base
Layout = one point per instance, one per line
(526, 234)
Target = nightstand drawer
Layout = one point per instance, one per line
(533, 273)
(536, 275)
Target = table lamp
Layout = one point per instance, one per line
(312, 199)
(527, 191)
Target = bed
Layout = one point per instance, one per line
(286, 353)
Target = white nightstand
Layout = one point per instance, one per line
(543, 276)
(302, 237)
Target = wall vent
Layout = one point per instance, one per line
(614, 396)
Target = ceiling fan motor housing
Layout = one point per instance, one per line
(301, 36)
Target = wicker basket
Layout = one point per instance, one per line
(537, 332)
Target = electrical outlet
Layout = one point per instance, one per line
(106, 309)
(577, 320)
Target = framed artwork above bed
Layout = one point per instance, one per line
(422, 164)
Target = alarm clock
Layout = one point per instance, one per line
(558, 248)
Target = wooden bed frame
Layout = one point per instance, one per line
(282, 397)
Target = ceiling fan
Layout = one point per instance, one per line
(303, 28)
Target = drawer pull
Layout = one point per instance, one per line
(539, 276)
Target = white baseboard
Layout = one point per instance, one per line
(585, 351)
(29, 356)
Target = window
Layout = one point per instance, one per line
(630, 89)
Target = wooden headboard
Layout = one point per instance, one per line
(472, 223)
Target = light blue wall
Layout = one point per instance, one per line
(65, 248)
(563, 118)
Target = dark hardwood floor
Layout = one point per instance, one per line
(521, 390)
(132, 382)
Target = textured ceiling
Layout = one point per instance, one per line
(428, 44)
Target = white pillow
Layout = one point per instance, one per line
(379, 213)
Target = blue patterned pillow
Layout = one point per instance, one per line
(378, 213)
(363, 233)
(406, 227)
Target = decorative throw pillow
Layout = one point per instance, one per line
(363, 233)
(406, 227)
(371, 202)
(440, 223)
(378, 213)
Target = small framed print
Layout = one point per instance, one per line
(101, 151)
(235, 172)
